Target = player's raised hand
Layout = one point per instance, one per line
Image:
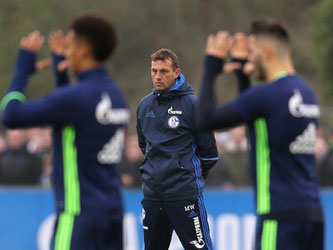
(32, 42)
(231, 67)
(240, 48)
(43, 64)
(248, 68)
(62, 66)
(218, 45)
(57, 43)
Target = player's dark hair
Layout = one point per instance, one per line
(164, 54)
(98, 32)
(270, 28)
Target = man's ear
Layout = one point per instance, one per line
(85, 49)
(177, 72)
(268, 52)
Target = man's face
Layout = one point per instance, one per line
(163, 74)
(256, 57)
(75, 51)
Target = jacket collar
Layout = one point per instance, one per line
(179, 82)
(181, 88)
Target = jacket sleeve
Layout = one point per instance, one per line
(141, 137)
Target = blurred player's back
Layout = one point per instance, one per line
(282, 117)
(88, 120)
(97, 136)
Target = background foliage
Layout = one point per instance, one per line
(181, 25)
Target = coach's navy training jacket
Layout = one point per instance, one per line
(174, 151)
(88, 121)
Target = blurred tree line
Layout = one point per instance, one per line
(181, 25)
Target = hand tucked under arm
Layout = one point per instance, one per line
(206, 165)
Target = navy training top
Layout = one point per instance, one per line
(88, 121)
(282, 118)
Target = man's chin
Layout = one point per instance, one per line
(159, 87)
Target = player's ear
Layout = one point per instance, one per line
(85, 49)
(268, 52)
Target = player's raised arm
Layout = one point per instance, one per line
(30, 46)
(16, 111)
(210, 116)
(57, 44)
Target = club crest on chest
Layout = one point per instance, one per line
(173, 121)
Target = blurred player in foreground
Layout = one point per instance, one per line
(88, 121)
(177, 159)
(282, 117)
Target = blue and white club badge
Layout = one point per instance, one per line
(173, 122)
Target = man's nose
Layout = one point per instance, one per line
(158, 76)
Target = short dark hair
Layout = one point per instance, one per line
(270, 28)
(164, 54)
(98, 32)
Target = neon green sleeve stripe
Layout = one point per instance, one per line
(269, 235)
(11, 96)
(71, 178)
(63, 236)
(263, 167)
